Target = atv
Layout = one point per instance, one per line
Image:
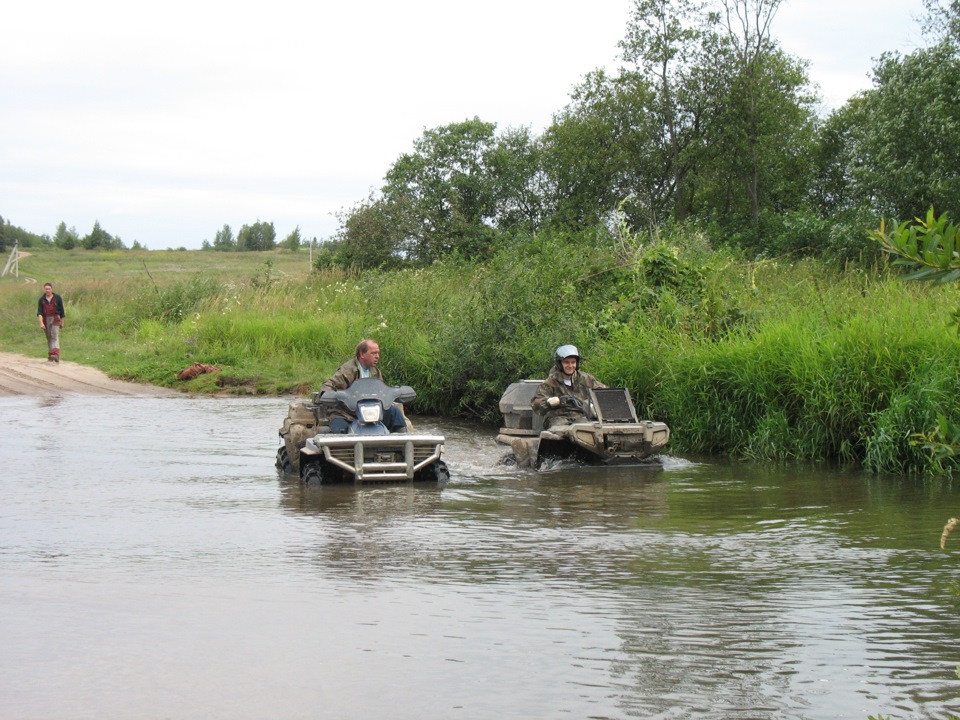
(368, 452)
(610, 431)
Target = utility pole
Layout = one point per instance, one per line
(13, 260)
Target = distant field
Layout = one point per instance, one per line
(64, 266)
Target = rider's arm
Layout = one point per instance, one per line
(544, 392)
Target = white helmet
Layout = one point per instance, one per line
(565, 351)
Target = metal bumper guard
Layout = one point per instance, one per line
(370, 458)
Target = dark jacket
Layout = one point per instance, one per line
(53, 307)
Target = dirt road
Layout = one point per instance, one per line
(21, 375)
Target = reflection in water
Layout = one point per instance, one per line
(152, 564)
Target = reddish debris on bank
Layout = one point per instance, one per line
(189, 373)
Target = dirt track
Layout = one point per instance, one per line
(21, 375)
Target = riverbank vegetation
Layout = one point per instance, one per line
(690, 221)
(752, 358)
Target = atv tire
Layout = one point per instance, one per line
(312, 474)
(283, 462)
(438, 472)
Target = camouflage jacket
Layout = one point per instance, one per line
(554, 386)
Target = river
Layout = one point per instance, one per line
(154, 565)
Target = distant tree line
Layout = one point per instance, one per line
(259, 236)
(709, 123)
(64, 238)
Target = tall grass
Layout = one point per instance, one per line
(762, 360)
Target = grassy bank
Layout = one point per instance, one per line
(768, 360)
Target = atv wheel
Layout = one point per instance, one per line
(438, 473)
(312, 474)
(283, 461)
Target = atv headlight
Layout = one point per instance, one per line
(370, 413)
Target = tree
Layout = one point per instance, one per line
(669, 41)
(765, 125)
(293, 241)
(259, 236)
(600, 150)
(712, 122)
(372, 235)
(444, 191)
(907, 141)
(97, 238)
(943, 21)
(65, 239)
(224, 240)
(515, 166)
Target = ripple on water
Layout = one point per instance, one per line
(150, 556)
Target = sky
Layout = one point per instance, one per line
(165, 122)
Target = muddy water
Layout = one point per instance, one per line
(153, 565)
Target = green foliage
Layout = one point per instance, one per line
(293, 241)
(173, 303)
(442, 193)
(100, 239)
(765, 359)
(266, 277)
(10, 234)
(928, 246)
(259, 236)
(895, 149)
(64, 238)
(224, 240)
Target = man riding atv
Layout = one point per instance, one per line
(355, 429)
(564, 397)
(572, 415)
(362, 365)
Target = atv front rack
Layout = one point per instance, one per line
(378, 458)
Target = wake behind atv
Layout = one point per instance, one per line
(368, 452)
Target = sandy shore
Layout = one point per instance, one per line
(21, 375)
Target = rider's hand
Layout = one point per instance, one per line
(553, 401)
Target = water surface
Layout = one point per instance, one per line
(153, 565)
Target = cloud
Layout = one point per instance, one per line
(165, 122)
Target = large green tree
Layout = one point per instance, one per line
(712, 120)
(445, 190)
(908, 135)
(894, 150)
(98, 238)
(373, 234)
(605, 148)
(760, 127)
(670, 43)
(259, 236)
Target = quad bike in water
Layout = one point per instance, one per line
(610, 431)
(368, 452)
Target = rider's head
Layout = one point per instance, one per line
(368, 353)
(567, 358)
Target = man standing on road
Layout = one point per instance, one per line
(362, 365)
(50, 315)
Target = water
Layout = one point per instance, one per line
(153, 565)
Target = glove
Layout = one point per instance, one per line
(553, 401)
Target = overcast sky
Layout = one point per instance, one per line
(166, 122)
